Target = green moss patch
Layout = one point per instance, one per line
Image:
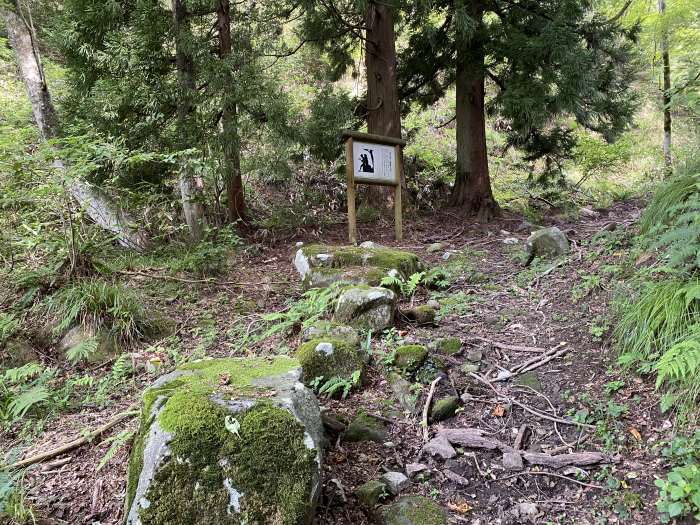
(215, 451)
(365, 428)
(414, 510)
(447, 346)
(410, 357)
(406, 263)
(329, 357)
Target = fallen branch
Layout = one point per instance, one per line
(538, 473)
(534, 362)
(515, 348)
(426, 408)
(194, 281)
(76, 443)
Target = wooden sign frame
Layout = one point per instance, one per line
(351, 137)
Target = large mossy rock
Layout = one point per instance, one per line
(409, 358)
(328, 357)
(325, 328)
(227, 441)
(366, 307)
(414, 510)
(547, 242)
(321, 265)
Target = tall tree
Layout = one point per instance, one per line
(546, 63)
(190, 185)
(666, 93)
(230, 138)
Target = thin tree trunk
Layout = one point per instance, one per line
(472, 189)
(231, 141)
(190, 186)
(383, 115)
(666, 95)
(99, 207)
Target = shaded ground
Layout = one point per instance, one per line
(495, 305)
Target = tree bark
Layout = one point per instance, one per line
(383, 115)
(190, 186)
(666, 95)
(230, 138)
(472, 189)
(98, 206)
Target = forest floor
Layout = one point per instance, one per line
(496, 305)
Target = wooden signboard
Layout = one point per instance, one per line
(373, 159)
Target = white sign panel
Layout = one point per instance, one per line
(374, 163)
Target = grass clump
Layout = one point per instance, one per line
(102, 305)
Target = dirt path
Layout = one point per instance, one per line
(494, 306)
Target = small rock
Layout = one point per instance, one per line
(413, 469)
(587, 211)
(414, 510)
(435, 247)
(410, 357)
(444, 408)
(446, 346)
(547, 242)
(365, 428)
(395, 482)
(366, 307)
(439, 446)
(511, 241)
(369, 245)
(403, 392)
(513, 461)
(372, 492)
(422, 315)
(470, 368)
(505, 233)
(433, 304)
(610, 227)
(475, 355)
(446, 256)
(299, 244)
(530, 379)
(525, 511)
(524, 226)
(455, 478)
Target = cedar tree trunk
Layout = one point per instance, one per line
(666, 95)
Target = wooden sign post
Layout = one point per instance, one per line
(373, 159)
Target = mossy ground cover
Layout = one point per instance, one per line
(344, 256)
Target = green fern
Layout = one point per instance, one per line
(337, 385)
(83, 350)
(27, 400)
(117, 442)
(8, 326)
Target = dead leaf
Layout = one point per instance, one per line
(499, 411)
(637, 435)
(224, 379)
(462, 507)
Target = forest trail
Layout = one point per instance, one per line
(503, 313)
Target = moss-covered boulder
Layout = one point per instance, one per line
(323, 277)
(365, 428)
(330, 329)
(366, 307)
(421, 315)
(414, 510)
(547, 242)
(446, 346)
(227, 441)
(316, 256)
(410, 357)
(372, 492)
(328, 357)
(103, 345)
(444, 408)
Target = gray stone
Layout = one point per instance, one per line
(413, 469)
(440, 446)
(159, 473)
(433, 304)
(513, 461)
(446, 256)
(510, 241)
(414, 510)
(422, 315)
(587, 211)
(470, 368)
(372, 492)
(325, 329)
(547, 242)
(401, 389)
(444, 408)
(366, 307)
(365, 428)
(525, 512)
(475, 355)
(395, 482)
(81, 334)
(435, 247)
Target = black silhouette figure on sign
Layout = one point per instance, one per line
(367, 164)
